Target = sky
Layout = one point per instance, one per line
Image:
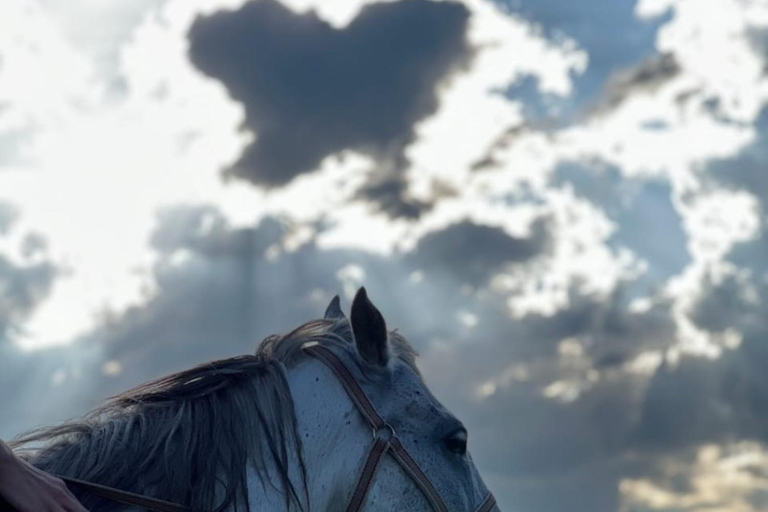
(562, 205)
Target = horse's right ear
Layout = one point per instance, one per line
(369, 330)
(333, 310)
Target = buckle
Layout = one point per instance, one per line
(377, 433)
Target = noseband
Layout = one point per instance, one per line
(385, 441)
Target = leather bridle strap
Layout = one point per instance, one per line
(421, 479)
(381, 445)
(377, 453)
(487, 504)
(125, 497)
(350, 384)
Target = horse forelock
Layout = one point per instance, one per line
(336, 331)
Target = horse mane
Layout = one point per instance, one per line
(178, 436)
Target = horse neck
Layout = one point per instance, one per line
(334, 438)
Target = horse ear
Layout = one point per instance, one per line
(334, 309)
(369, 330)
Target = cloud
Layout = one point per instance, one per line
(216, 283)
(163, 139)
(100, 30)
(8, 215)
(26, 277)
(639, 208)
(567, 387)
(472, 253)
(12, 141)
(758, 37)
(746, 169)
(222, 288)
(22, 289)
(390, 193)
(622, 41)
(557, 296)
(643, 77)
(311, 90)
(697, 400)
(725, 478)
(713, 408)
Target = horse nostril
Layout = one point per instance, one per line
(457, 442)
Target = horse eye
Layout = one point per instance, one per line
(457, 442)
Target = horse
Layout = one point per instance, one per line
(332, 416)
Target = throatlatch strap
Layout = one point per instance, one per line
(128, 498)
(377, 452)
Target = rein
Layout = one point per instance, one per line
(125, 497)
(384, 437)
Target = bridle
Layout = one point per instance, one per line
(385, 441)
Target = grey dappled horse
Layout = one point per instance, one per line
(280, 430)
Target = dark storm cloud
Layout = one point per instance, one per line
(556, 456)
(685, 407)
(38, 388)
(753, 255)
(555, 452)
(710, 401)
(646, 76)
(32, 245)
(22, 285)
(389, 193)
(731, 303)
(22, 288)
(607, 30)
(310, 90)
(473, 253)
(209, 303)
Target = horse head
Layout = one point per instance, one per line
(339, 437)
(332, 416)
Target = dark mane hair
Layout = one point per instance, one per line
(189, 437)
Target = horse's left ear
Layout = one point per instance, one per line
(369, 330)
(334, 309)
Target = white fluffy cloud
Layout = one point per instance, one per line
(95, 167)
